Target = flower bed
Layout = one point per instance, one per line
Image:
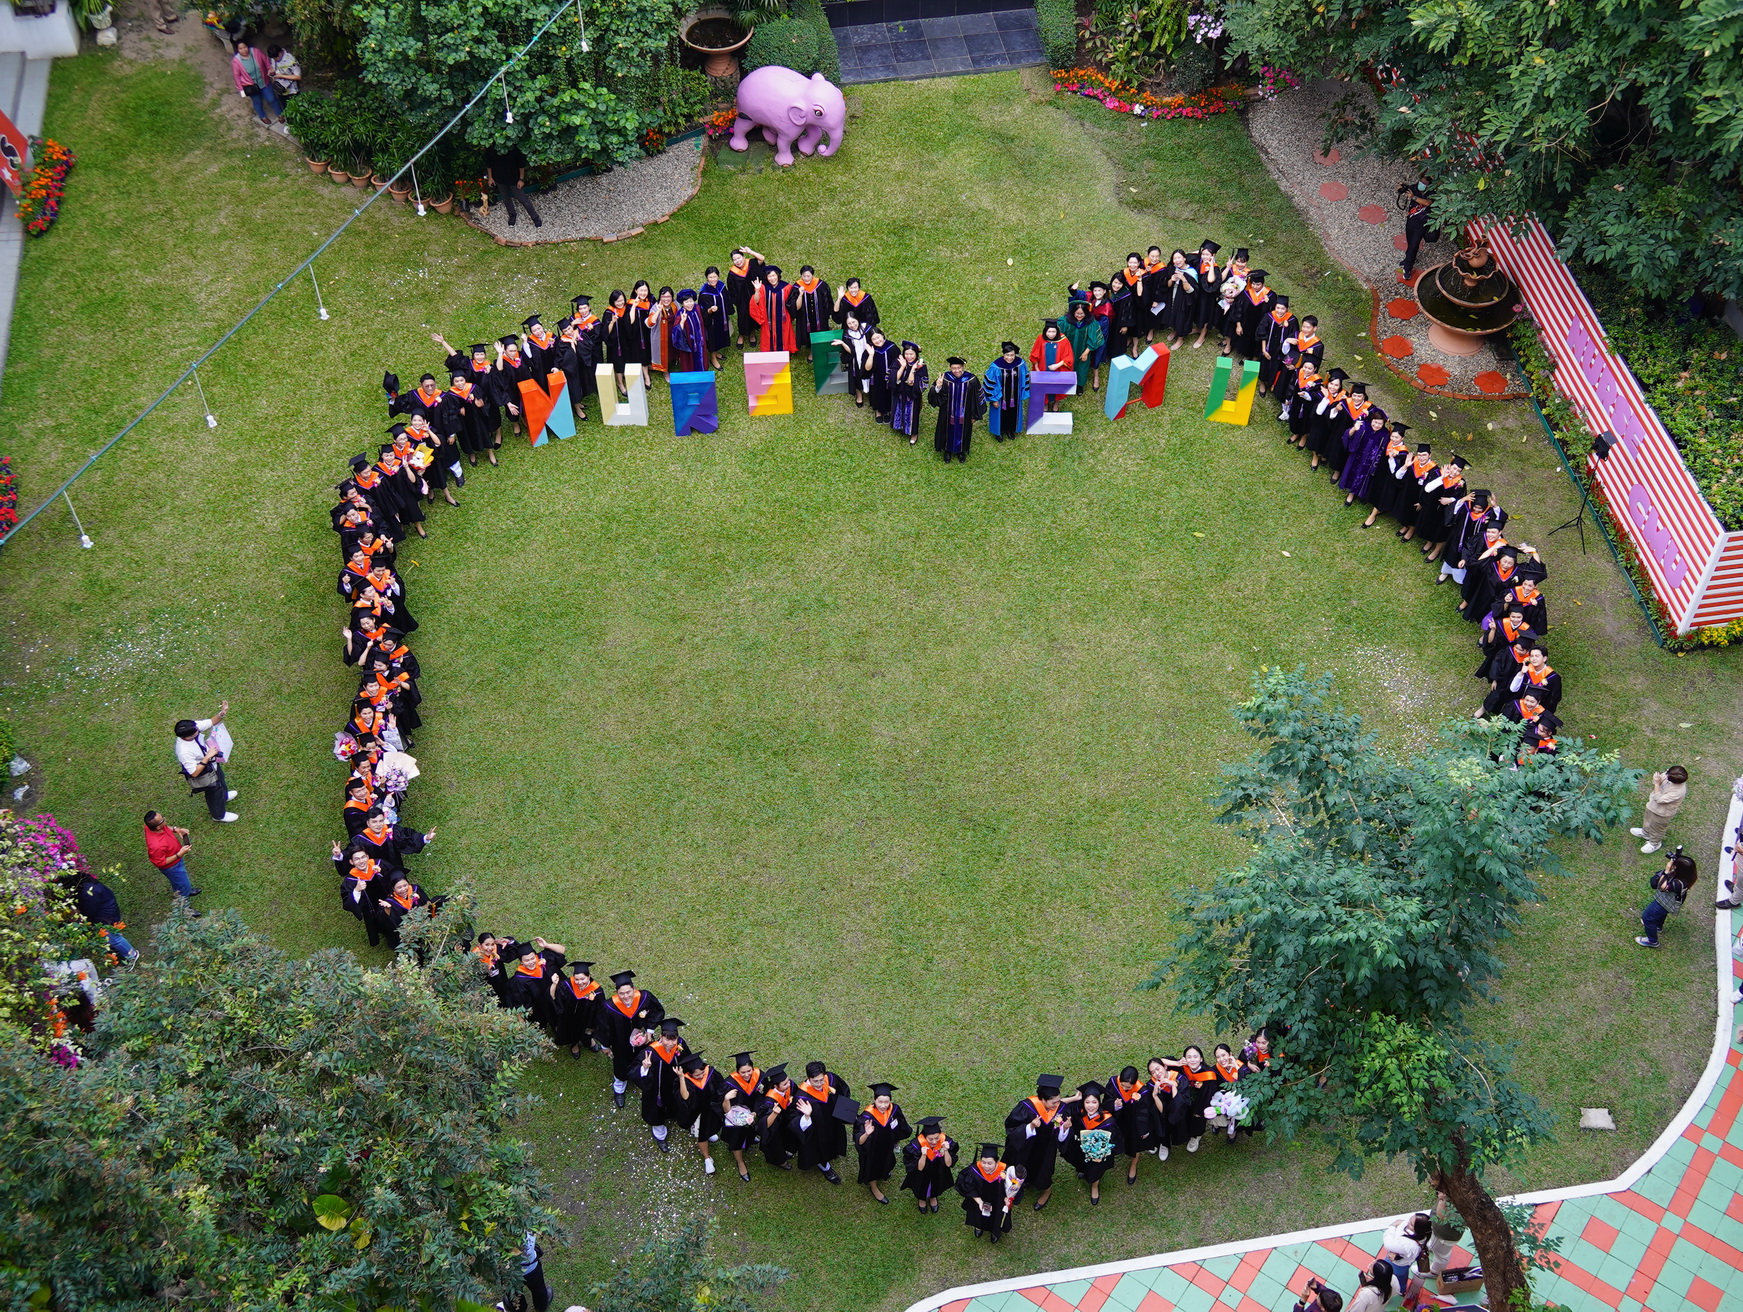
(40, 203)
(720, 122)
(1123, 99)
(8, 496)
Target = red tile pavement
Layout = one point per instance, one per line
(1705, 1295)
(1399, 243)
(1372, 214)
(1251, 1264)
(1491, 382)
(1606, 1294)
(1600, 1233)
(1200, 1277)
(1045, 1299)
(1714, 1247)
(1099, 1291)
(1398, 347)
(1332, 156)
(1402, 307)
(1735, 1209)
(1433, 375)
(1154, 1302)
(960, 1305)
(1333, 191)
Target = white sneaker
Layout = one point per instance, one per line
(227, 817)
(1162, 1153)
(1192, 1145)
(708, 1166)
(1638, 833)
(230, 796)
(1650, 847)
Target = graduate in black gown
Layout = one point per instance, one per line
(1434, 512)
(819, 1133)
(390, 844)
(361, 883)
(474, 362)
(1125, 315)
(628, 1012)
(715, 303)
(1250, 309)
(771, 1119)
(1469, 520)
(877, 1137)
(488, 955)
(1330, 419)
(468, 416)
(576, 1000)
(391, 911)
(1423, 470)
(744, 273)
(1210, 280)
(539, 345)
(535, 967)
(1273, 331)
(1094, 1143)
(910, 384)
(745, 1087)
(656, 1075)
(578, 354)
(812, 305)
(1304, 395)
(1163, 1088)
(881, 374)
(929, 1164)
(1034, 1129)
(512, 369)
(855, 300)
(1178, 292)
(618, 332)
(1128, 1097)
(989, 1190)
(1525, 596)
(1388, 487)
(701, 1090)
(1198, 1085)
(957, 396)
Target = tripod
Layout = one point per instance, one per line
(1579, 516)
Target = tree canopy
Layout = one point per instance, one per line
(1367, 926)
(1620, 122)
(255, 1131)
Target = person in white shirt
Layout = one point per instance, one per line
(202, 762)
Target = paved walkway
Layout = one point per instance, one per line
(609, 206)
(937, 47)
(1665, 1236)
(24, 97)
(1350, 199)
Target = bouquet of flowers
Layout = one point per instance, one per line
(344, 746)
(1229, 1107)
(1097, 1145)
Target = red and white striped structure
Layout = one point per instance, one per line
(1695, 567)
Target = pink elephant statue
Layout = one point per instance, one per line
(789, 107)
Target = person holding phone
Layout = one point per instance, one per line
(202, 763)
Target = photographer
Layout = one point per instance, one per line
(200, 755)
(1414, 200)
(1670, 889)
(1319, 1299)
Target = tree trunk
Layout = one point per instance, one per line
(1503, 1272)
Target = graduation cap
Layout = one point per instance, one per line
(582, 299)
(386, 449)
(882, 1090)
(1338, 374)
(911, 346)
(1258, 275)
(1535, 570)
(1208, 245)
(1050, 323)
(1359, 387)
(991, 1150)
(622, 977)
(1481, 496)
(690, 1061)
(359, 462)
(688, 294)
(584, 967)
(1092, 1090)
(1048, 1085)
(530, 322)
(1399, 427)
(931, 1124)
(396, 430)
(478, 348)
(515, 949)
(771, 268)
(776, 1074)
(508, 342)
(741, 1059)
(1547, 723)
(845, 1110)
(957, 359)
(390, 384)
(1422, 448)
(1241, 253)
(670, 1026)
(1280, 300)
(1461, 462)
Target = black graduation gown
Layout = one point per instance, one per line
(382, 504)
(927, 1177)
(1125, 321)
(397, 842)
(358, 897)
(659, 1083)
(575, 1018)
(352, 581)
(880, 375)
(976, 1190)
(1179, 301)
(715, 303)
(541, 358)
(1186, 1115)
(1249, 315)
(825, 1139)
(576, 359)
(467, 417)
(1465, 536)
(741, 1137)
(1074, 1150)
(1326, 429)
(1270, 336)
(1037, 1153)
(1536, 610)
(616, 333)
(483, 380)
(959, 402)
(866, 312)
(1301, 408)
(532, 993)
(1434, 522)
(645, 1013)
(1136, 1115)
(1210, 280)
(1430, 514)
(739, 287)
(877, 1155)
(389, 918)
(813, 311)
(698, 1108)
(506, 382)
(1391, 489)
(497, 978)
(772, 1128)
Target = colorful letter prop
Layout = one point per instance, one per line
(828, 368)
(695, 402)
(1217, 406)
(1126, 373)
(622, 414)
(547, 409)
(1044, 383)
(1156, 376)
(768, 382)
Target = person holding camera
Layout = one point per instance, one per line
(202, 763)
(1414, 200)
(1319, 1298)
(1670, 889)
(165, 846)
(1669, 788)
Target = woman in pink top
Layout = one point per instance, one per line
(253, 73)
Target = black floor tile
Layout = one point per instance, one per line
(947, 47)
(1026, 44)
(940, 27)
(916, 68)
(1008, 20)
(997, 59)
(883, 53)
(983, 43)
(897, 11)
(870, 73)
(908, 51)
(968, 24)
(956, 64)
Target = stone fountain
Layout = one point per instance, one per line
(1467, 299)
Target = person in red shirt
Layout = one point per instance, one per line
(165, 846)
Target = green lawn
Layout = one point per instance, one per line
(849, 754)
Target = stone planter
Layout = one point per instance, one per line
(713, 30)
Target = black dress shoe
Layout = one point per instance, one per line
(885, 1200)
(995, 1236)
(617, 1097)
(195, 892)
(665, 1144)
(1095, 1201)
(832, 1175)
(745, 1176)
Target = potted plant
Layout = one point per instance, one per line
(717, 35)
(443, 206)
(309, 118)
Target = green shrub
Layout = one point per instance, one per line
(1194, 68)
(683, 99)
(309, 117)
(1057, 21)
(8, 742)
(802, 41)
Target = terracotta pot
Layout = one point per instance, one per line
(360, 180)
(377, 181)
(339, 176)
(720, 61)
(401, 194)
(317, 166)
(443, 206)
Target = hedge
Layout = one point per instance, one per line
(1057, 21)
(802, 41)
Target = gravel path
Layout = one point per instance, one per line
(606, 205)
(1349, 198)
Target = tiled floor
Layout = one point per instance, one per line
(1672, 1241)
(932, 47)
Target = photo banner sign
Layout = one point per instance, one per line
(14, 155)
(1694, 566)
